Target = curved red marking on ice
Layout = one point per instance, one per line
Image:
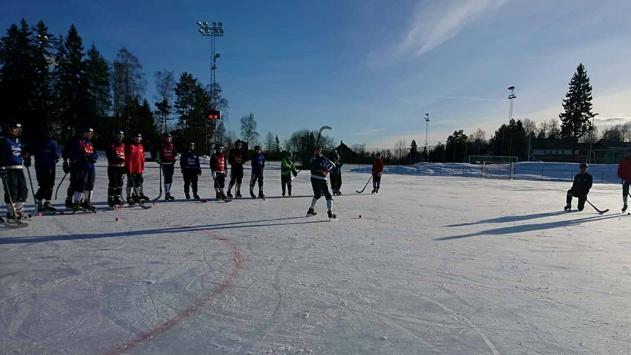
(228, 281)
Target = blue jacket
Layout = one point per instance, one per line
(45, 153)
(190, 161)
(83, 155)
(258, 163)
(11, 152)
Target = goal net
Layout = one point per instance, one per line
(495, 166)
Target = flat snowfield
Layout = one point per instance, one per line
(429, 265)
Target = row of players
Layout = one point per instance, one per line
(128, 159)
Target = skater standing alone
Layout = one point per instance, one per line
(624, 173)
(12, 172)
(377, 171)
(580, 189)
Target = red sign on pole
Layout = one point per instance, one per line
(214, 115)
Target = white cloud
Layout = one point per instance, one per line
(441, 21)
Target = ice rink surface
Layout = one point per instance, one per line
(436, 264)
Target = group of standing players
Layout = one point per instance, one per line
(126, 158)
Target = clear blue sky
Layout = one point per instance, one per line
(370, 69)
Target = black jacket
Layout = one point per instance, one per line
(582, 184)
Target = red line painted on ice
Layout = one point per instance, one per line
(228, 281)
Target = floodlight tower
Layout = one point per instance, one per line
(212, 31)
(426, 133)
(511, 96)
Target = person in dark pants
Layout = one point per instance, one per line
(135, 166)
(336, 175)
(46, 158)
(191, 170)
(580, 188)
(70, 146)
(377, 171)
(258, 165)
(116, 170)
(82, 159)
(287, 169)
(624, 173)
(12, 172)
(218, 167)
(320, 168)
(166, 156)
(236, 158)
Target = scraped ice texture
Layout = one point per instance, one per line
(435, 265)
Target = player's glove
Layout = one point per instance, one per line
(65, 167)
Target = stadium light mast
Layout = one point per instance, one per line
(426, 133)
(213, 30)
(511, 97)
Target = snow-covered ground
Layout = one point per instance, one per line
(435, 264)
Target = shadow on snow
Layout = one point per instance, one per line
(156, 231)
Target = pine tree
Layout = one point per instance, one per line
(42, 101)
(16, 74)
(576, 120)
(72, 100)
(98, 83)
(191, 105)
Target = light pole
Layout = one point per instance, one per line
(426, 133)
(511, 97)
(213, 30)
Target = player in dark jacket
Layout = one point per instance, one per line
(377, 171)
(115, 153)
(69, 147)
(191, 170)
(336, 175)
(287, 169)
(258, 165)
(44, 150)
(320, 168)
(218, 167)
(580, 188)
(624, 173)
(236, 158)
(12, 172)
(82, 159)
(166, 158)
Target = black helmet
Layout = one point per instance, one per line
(583, 165)
(167, 135)
(218, 147)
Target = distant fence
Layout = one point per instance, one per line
(602, 173)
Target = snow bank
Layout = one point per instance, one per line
(602, 173)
